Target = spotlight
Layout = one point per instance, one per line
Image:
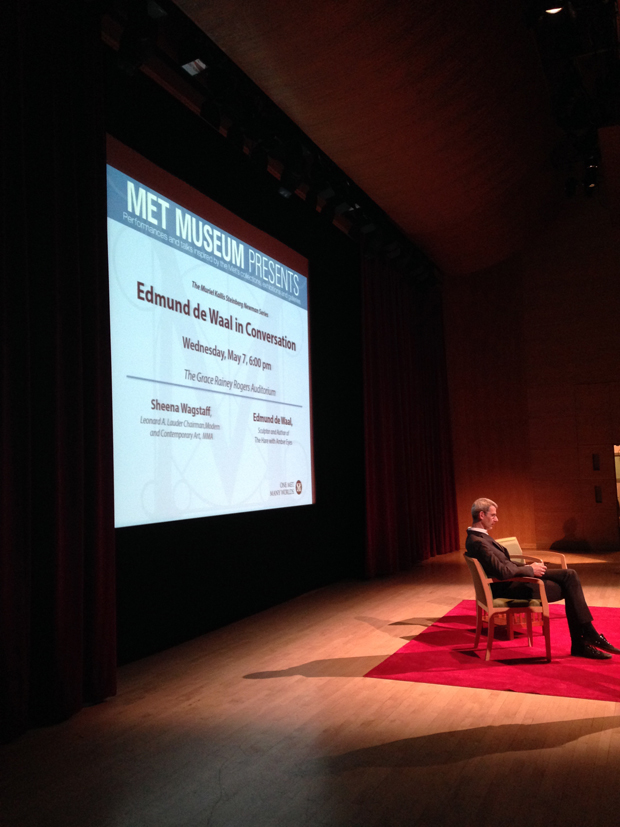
(367, 226)
(342, 207)
(289, 181)
(155, 11)
(189, 54)
(194, 67)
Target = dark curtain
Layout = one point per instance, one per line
(57, 611)
(410, 492)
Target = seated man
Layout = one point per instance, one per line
(560, 584)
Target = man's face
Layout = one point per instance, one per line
(489, 518)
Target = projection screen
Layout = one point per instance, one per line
(210, 354)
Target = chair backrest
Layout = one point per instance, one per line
(481, 582)
(512, 545)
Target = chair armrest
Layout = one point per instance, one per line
(527, 558)
(560, 558)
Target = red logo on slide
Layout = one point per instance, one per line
(298, 486)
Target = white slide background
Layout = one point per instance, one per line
(217, 459)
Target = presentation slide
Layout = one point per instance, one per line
(210, 354)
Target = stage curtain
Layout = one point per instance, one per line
(57, 609)
(410, 493)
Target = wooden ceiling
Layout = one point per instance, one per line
(437, 109)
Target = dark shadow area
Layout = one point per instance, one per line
(416, 621)
(388, 627)
(480, 653)
(570, 541)
(463, 745)
(326, 668)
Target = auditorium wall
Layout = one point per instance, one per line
(533, 351)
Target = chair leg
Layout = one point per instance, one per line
(478, 625)
(530, 635)
(547, 633)
(510, 627)
(490, 631)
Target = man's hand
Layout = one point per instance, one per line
(539, 569)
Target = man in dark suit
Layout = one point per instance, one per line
(560, 584)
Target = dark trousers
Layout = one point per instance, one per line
(560, 584)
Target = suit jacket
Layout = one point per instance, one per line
(493, 558)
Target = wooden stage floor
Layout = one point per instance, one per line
(269, 723)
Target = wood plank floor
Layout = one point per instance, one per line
(270, 723)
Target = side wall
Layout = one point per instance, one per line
(533, 349)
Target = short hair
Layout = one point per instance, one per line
(481, 504)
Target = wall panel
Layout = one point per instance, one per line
(547, 330)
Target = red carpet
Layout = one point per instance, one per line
(443, 654)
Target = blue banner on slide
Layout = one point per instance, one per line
(147, 212)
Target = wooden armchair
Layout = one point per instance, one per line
(485, 602)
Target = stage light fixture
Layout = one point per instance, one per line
(155, 11)
(367, 227)
(342, 207)
(191, 53)
(194, 67)
(289, 181)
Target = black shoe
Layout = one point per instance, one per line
(581, 649)
(601, 642)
